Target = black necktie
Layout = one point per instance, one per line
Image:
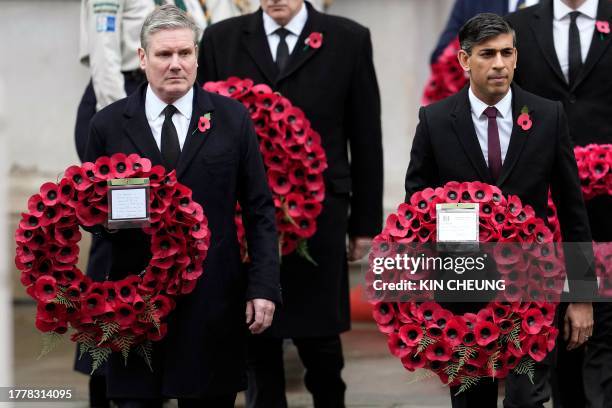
(170, 147)
(282, 51)
(575, 54)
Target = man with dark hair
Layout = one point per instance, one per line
(473, 136)
(565, 58)
(201, 361)
(463, 10)
(336, 87)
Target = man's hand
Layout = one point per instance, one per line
(259, 314)
(358, 247)
(578, 325)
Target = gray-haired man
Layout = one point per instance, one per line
(201, 361)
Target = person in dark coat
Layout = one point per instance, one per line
(336, 87)
(201, 361)
(543, 43)
(463, 10)
(474, 136)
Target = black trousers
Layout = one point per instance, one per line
(598, 359)
(520, 392)
(322, 358)
(218, 401)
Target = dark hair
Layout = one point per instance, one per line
(481, 27)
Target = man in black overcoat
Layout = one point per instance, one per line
(335, 85)
(202, 359)
(546, 44)
(474, 136)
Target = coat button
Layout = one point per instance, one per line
(572, 98)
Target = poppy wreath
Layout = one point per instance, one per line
(595, 172)
(112, 315)
(503, 337)
(447, 76)
(293, 157)
(594, 169)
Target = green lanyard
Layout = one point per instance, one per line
(179, 3)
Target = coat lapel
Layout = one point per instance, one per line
(542, 26)
(300, 53)
(518, 136)
(598, 44)
(255, 41)
(464, 129)
(202, 105)
(137, 126)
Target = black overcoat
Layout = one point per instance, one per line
(337, 89)
(445, 148)
(588, 102)
(204, 350)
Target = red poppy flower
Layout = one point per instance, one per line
(396, 226)
(90, 215)
(411, 334)
(480, 192)
(536, 346)
(312, 208)
(138, 164)
(397, 346)
(155, 334)
(163, 246)
(454, 331)
(126, 314)
(603, 26)
(67, 235)
(47, 326)
(126, 289)
(413, 361)
(439, 351)
(548, 312)
(78, 177)
(314, 40)
(532, 321)
(203, 124)
(485, 332)
(45, 289)
(93, 304)
(279, 182)
(524, 121)
(383, 312)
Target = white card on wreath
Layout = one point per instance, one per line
(129, 204)
(457, 222)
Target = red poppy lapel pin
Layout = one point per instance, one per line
(204, 123)
(603, 27)
(314, 41)
(524, 119)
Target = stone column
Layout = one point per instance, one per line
(6, 313)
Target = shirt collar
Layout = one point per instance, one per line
(504, 107)
(588, 9)
(295, 26)
(154, 106)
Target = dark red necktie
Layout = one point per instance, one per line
(494, 148)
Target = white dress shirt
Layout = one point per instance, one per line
(512, 4)
(154, 108)
(481, 123)
(561, 23)
(295, 27)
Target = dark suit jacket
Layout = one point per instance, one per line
(445, 148)
(462, 11)
(588, 102)
(336, 87)
(204, 349)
